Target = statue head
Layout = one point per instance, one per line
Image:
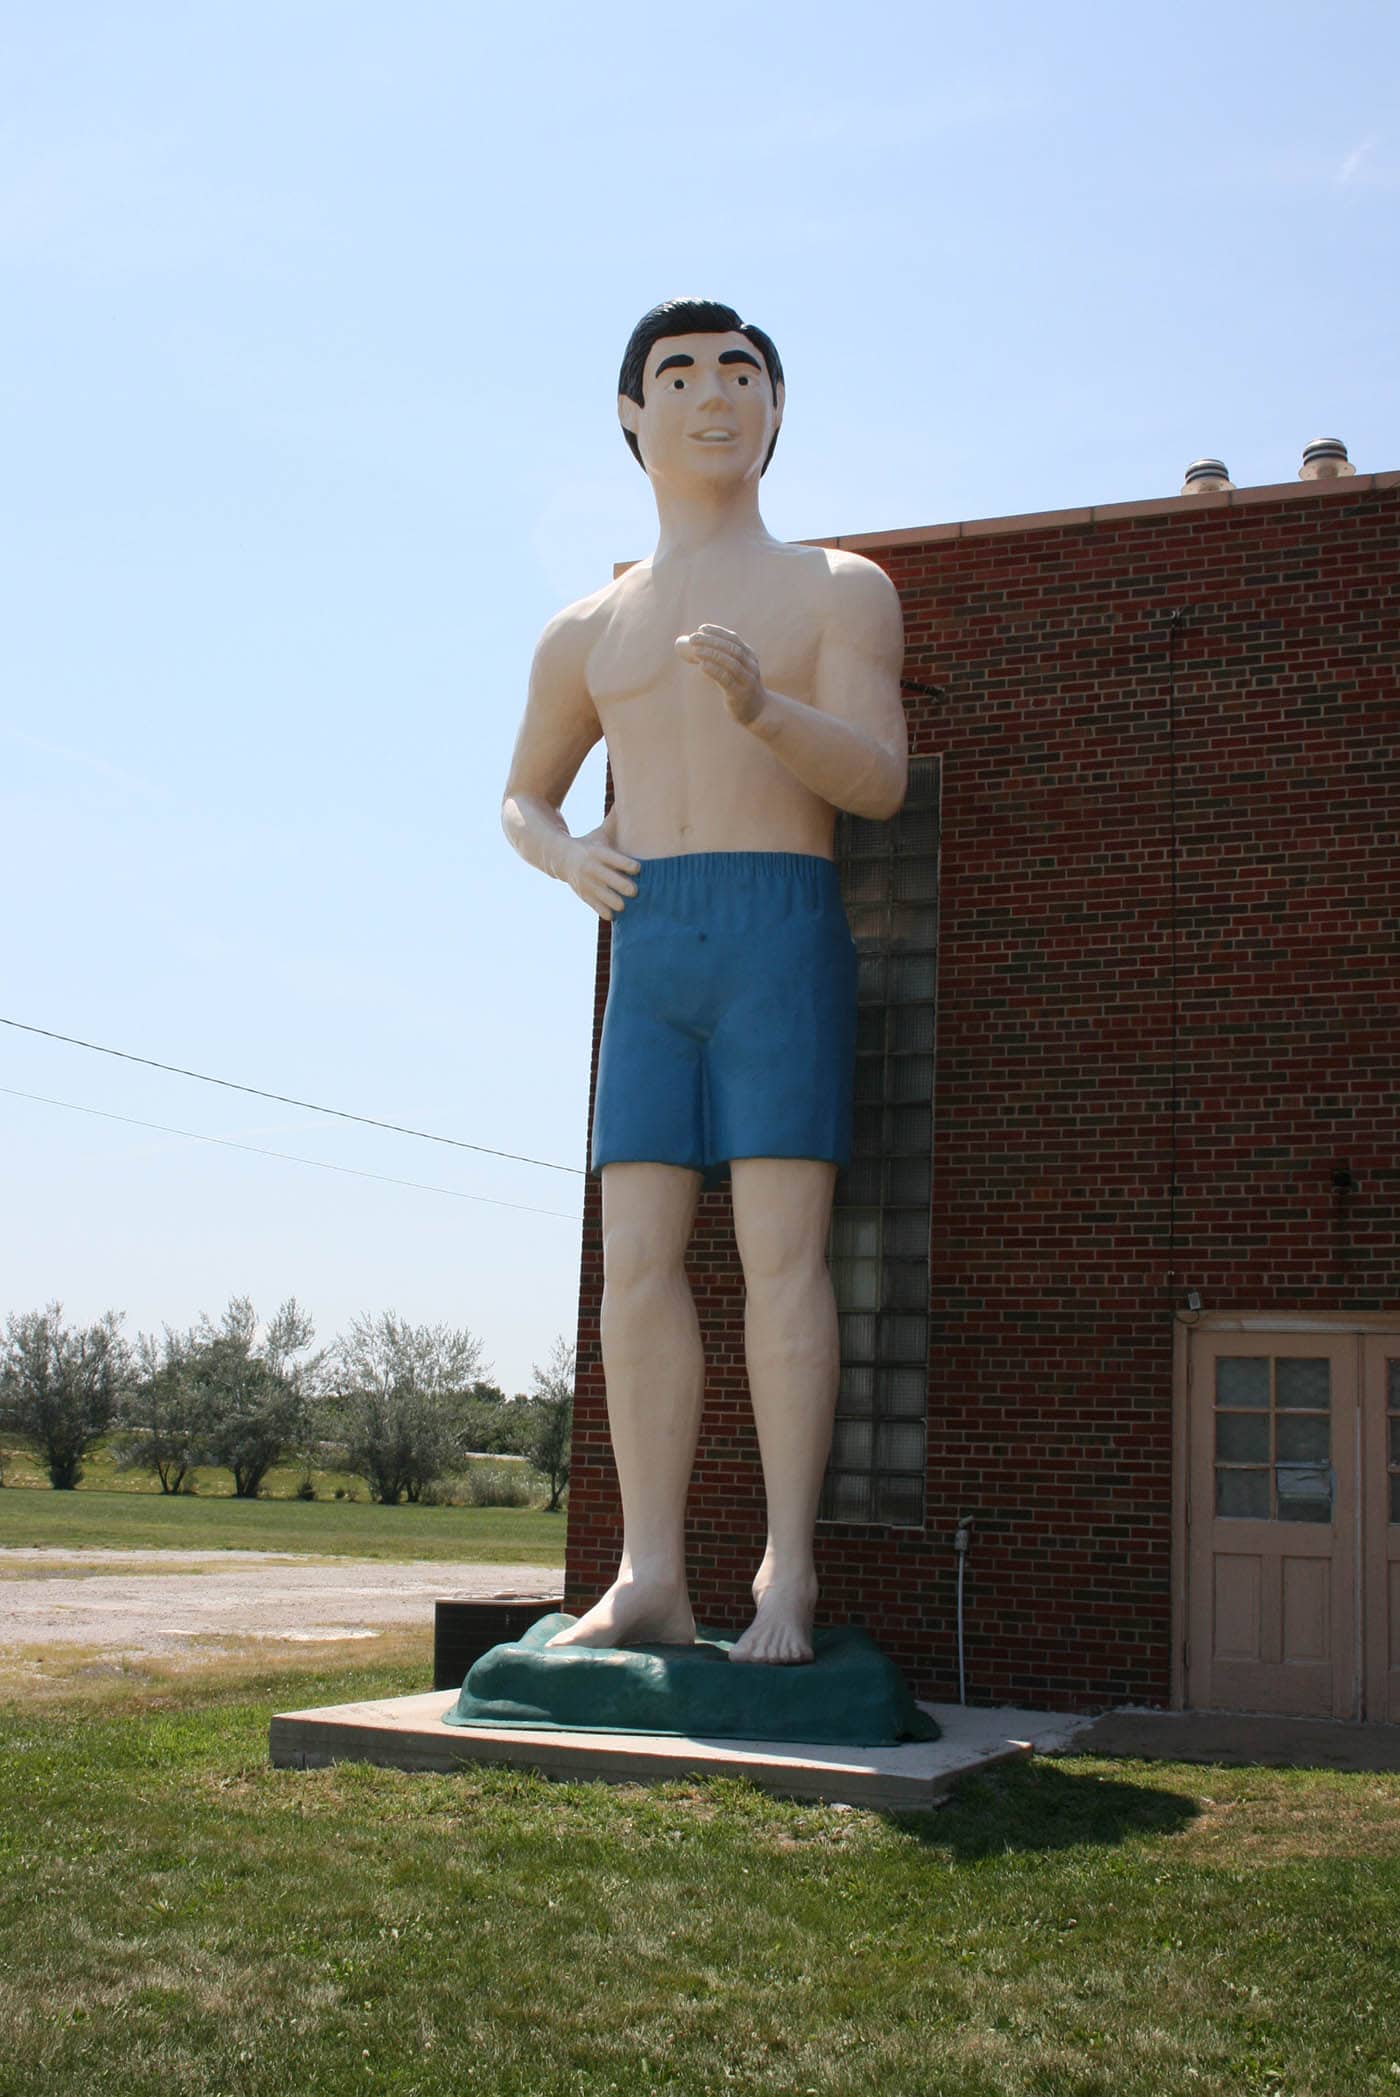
(675, 317)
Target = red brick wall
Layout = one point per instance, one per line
(1065, 977)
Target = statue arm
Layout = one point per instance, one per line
(559, 729)
(850, 744)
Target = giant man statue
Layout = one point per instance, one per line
(747, 690)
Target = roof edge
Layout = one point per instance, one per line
(1101, 513)
(1117, 512)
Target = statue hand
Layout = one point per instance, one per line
(733, 666)
(597, 872)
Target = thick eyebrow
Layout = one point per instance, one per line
(678, 358)
(738, 357)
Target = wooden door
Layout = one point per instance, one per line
(1380, 1545)
(1272, 1523)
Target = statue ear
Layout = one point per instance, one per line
(778, 402)
(629, 413)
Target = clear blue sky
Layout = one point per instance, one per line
(307, 377)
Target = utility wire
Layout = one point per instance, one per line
(287, 1157)
(285, 1100)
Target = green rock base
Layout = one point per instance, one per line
(849, 1695)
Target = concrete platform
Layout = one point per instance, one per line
(408, 1733)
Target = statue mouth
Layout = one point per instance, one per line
(713, 437)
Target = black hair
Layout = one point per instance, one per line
(689, 317)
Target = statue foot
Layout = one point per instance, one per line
(634, 1613)
(781, 1632)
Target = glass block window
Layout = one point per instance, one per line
(881, 1218)
(1273, 1437)
(1392, 1429)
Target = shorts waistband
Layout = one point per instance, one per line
(688, 870)
(734, 891)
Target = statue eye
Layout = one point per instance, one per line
(679, 385)
(743, 378)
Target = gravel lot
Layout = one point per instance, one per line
(134, 1603)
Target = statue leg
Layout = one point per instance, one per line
(782, 1217)
(655, 1375)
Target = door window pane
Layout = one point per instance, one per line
(1304, 1492)
(1242, 1493)
(1242, 1379)
(1242, 1438)
(1304, 1382)
(1303, 1437)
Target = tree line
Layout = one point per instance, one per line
(397, 1404)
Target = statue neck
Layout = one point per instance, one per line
(691, 519)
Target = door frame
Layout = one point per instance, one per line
(1358, 1324)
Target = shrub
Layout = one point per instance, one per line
(497, 1485)
(256, 1398)
(550, 1441)
(60, 1386)
(163, 1418)
(403, 1403)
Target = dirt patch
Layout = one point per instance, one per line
(131, 1604)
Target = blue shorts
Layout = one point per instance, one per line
(730, 1023)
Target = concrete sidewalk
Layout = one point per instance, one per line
(1239, 1738)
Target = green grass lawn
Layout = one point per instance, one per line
(317, 1528)
(176, 1917)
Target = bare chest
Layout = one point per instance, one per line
(635, 660)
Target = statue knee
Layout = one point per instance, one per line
(637, 1259)
(779, 1265)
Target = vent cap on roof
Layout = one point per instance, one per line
(1206, 477)
(1325, 459)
